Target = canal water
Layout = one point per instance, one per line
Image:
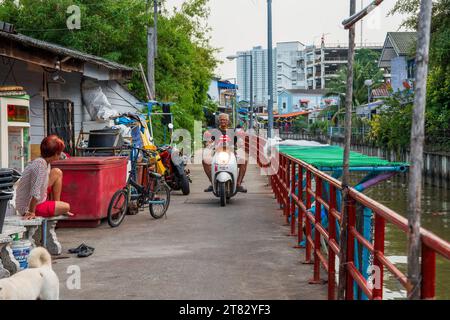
(393, 193)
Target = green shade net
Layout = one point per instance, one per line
(333, 156)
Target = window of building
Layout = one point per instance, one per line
(411, 68)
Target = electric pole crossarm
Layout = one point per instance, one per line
(348, 23)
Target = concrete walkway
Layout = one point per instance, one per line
(201, 251)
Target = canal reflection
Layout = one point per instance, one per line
(393, 193)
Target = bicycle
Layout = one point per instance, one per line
(155, 192)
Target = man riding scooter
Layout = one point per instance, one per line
(224, 121)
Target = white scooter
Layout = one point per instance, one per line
(224, 173)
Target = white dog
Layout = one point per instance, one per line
(38, 282)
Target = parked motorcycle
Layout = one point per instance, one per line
(224, 171)
(177, 176)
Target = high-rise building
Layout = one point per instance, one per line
(260, 75)
(290, 73)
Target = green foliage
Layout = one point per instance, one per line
(392, 127)
(300, 124)
(319, 127)
(116, 30)
(365, 67)
(437, 120)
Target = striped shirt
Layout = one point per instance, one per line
(33, 183)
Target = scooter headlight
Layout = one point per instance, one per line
(223, 157)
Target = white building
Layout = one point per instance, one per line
(290, 74)
(260, 75)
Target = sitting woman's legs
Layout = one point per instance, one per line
(61, 208)
(55, 183)
(51, 208)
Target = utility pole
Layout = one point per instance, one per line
(270, 67)
(417, 140)
(350, 25)
(346, 173)
(251, 90)
(362, 24)
(152, 36)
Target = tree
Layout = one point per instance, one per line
(392, 127)
(116, 30)
(437, 120)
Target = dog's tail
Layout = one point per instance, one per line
(39, 257)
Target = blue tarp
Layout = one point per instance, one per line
(226, 85)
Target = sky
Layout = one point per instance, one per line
(239, 25)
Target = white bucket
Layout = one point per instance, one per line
(21, 250)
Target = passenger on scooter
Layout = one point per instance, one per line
(239, 146)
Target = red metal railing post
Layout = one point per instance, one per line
(257, 151)
(300, 210)
(428, 273)
(286, 189)
(318, 220)
(378, 247)
(307, 222)
(279, 179)
(331, 253)
(351, 210)
(293, 181)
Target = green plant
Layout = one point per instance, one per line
(319, 127)
(300, 124)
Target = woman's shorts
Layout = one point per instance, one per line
(46, 209)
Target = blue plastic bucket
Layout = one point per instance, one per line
(21, 250)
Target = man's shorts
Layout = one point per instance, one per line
(46, 209)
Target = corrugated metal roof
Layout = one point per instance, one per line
(57, 49)
(403, 42)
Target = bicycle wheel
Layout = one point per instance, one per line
(159, 200)
(117, 208)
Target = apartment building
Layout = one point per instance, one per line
(290, 74)
(260, 75)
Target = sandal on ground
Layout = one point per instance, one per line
(79, 248)
(85, 252)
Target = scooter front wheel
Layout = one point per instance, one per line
(222, 193)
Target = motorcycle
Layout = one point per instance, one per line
(224, 172)
(177, 176)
